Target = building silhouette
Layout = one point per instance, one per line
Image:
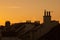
(53, 34)
(7, 24)
(27, 30)
(47, 17)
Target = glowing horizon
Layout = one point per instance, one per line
(22, 10)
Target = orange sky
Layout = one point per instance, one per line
(22, 10)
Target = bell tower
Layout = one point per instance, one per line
(46, 17)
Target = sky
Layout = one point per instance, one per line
(21, 10)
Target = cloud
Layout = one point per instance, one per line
(13, 7)
(10, 7)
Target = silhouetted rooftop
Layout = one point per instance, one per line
(54, 34)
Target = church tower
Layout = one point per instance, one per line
(46, 17)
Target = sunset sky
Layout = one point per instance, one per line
(22, 10)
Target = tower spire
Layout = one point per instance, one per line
(44, 12)
(47, 17)
(49, 13)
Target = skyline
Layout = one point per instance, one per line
(31, 30)
(22, 10)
